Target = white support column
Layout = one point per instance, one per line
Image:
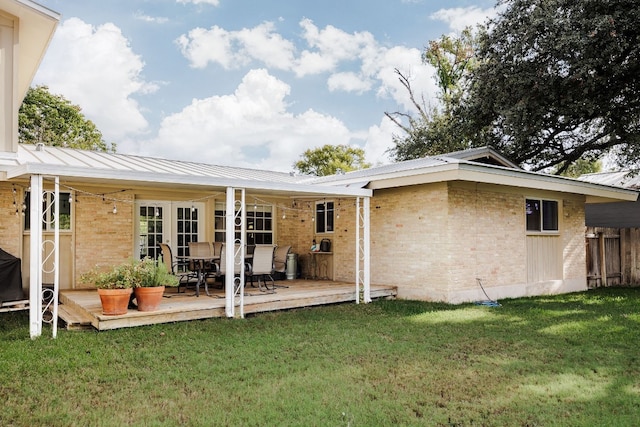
(240, 216)
(53, 304)
(367, 252)
(234, 260)
(357, 257)
(229, 237)
(35, 257)
(363, 263)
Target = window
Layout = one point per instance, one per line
(542, 215)
(324, 217)
(48, 210)
(259, 224)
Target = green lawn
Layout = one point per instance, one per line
(570, 360)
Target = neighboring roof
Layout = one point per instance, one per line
(36, 25)
(624, 179)
(454, 168)
(97, 167)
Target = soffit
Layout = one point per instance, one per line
(36, 26)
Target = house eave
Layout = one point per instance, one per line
(466, 171)
(36, 26)
(191, 182)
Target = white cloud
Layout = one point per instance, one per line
(348, 82)
(378, 140)
(234, 49)
(249, 128)
(151, 19)
(95, 67)
(211, 2)
(461, 17)
(331, 46)
(409, 63)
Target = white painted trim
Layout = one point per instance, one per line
(367, 251)
(230, 231)
(35, 261)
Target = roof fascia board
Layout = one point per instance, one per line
(187, 180)
(401, 178)
(525, 179)
(503, 176)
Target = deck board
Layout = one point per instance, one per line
(83, 306)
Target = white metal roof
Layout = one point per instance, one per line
(98, 167)
(456, 168)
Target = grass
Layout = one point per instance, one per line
(569, 360)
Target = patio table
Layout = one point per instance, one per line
(199, 263)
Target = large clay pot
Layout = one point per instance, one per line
(114, 301)
(149, 299)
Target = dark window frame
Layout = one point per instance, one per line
(542, 215)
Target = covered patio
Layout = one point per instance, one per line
(81, 309)
(118, 206)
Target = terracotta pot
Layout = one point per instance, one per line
(114, 301)
(149, 299)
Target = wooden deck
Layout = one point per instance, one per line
(80, 309)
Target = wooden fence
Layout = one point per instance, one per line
(613, 256)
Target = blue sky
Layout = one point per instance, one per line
(246, 83)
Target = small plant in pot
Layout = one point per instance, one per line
(114, 287)
(150, 280)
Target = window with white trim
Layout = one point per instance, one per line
(324, 217)
(259, 224)
(542, 215)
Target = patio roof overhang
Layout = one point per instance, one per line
(90, 167)
(185, 182)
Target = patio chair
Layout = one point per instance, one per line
(208, 268)
(221, 266)
(280, 261)
(261, 267)
(184, 277)
(217, 246)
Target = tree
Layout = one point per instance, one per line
(331, 159)
(53, 120)
(579, 167)
(430, 130)
(558, 81)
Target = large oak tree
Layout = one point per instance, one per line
(431, 130)
(558, 81)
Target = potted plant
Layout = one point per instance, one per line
(149, 281)
(114, 287)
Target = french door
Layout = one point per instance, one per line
(174, 223)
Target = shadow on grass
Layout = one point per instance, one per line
(573, 357)
(557, 360)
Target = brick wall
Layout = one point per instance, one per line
(409, 239)
(486, 237)
(102, 237)
(573, 233)
(11, 224)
